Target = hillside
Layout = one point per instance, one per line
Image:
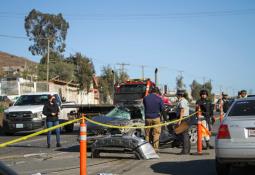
(7, 59)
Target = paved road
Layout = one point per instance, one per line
(32, 156)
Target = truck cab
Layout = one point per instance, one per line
(26, 113)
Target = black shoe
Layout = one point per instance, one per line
(48, 146)
(204, 147)
(208, 145)
(211, 147)
(183, 153)
(58, 145)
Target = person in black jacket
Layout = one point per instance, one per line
(51, 110)
(206, 108)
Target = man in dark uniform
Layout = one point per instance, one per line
(153, 106)
(206, 108)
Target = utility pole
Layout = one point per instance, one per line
(48, 58)
(156, 76)
(142, 66)
(204, 82)
(122, 68)
(114, 81)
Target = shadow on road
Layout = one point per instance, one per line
(75, 148)
(185, 168)
(196, 167)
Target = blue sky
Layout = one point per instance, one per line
(210, 39)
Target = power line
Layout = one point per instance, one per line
(122, 16)
(13, 36)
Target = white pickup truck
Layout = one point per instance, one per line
(26, 113)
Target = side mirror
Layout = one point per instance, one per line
(11, 104)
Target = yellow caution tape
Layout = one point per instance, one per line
(38, 133)
(92, 121)
(138, 127)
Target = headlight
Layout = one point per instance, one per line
(37, 116)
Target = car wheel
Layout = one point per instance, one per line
(193, 135)
(222, 168)
(95, 154)
(6, 130)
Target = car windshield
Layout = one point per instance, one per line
(127, 113)
(135, 88)
(31, 100)
(243, 108)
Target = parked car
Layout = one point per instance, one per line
(235, 141)
(26, 113)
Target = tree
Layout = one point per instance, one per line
(83, 70)
(197, 87)
(29, 71)
(179, 82)
(123, 76)
(43, 26)
(106, 83)
(55, 57)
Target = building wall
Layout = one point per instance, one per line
(70, 93)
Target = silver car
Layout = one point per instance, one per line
(235, 141)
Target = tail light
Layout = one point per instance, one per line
(223, 132)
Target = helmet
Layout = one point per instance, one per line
(243, 91)
(203, 92)
(180, 92)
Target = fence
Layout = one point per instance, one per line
(70, 93)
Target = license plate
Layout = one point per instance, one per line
(251, 132)
(19, 126)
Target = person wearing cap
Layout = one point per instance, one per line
(51, 110)
(206, 107)
(153, 106)
(182, 110)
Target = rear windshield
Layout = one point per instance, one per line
(243, 108)
(135, 88)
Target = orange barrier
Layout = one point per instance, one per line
(205, 131)
(83, 147)
(221, 117)
(199, 132)
(148, 84)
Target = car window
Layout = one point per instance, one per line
(119, 112)
(136, 88)
(243, 108)
(31, 100)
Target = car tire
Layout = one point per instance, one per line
(95, 154)
(6, 130)
(193, 135)
(222, 168)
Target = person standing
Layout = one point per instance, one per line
(51, 110)
(206, 107)
(153, 106)
(182, 110)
